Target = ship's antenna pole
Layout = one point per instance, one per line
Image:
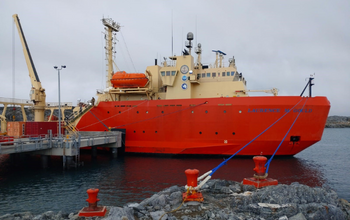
(172, 34)
(111, 27)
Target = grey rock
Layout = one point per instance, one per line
(298, 216)
(156, 215)
(118, 213)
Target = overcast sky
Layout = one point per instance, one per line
(275, 43)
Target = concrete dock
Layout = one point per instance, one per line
(68, 146)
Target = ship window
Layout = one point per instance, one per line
(168, 73)
(134, 131)
(143, 131)
(223, 73)
(173, 73)
(218, 74)
(203, 75)
(232, 73)
(228, 74)
(198, 76)
(137, 112)
(233, 133)
(213, 74)
(146, 112)
(224, 111)
(162, 112)
(156, 132)
(208, 74)
(206, 112)
(200, 132)
(216, 133)
(163, 73)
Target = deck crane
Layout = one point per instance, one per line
(37, 93)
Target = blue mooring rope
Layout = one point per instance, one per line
(225, 161)
(269, 161)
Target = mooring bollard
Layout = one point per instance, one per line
(93, 209)
(92, 200)
(260, 179)
(260, 168)
(192, 194)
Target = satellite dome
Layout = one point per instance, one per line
(190, 36)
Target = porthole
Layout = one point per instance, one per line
(143, 131)
(137, 112)
(206, 112)
(120, 112)
(200, 132)
(146, 112)
(224, 111)
(156, 132)
(233, 133)
(162, 112)
(134, 131)
(216, 133)
(108, 112)
(192, 112)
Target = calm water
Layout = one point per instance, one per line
(27, 187)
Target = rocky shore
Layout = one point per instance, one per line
(224, 200)
(338, 122)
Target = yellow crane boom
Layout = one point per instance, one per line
(37, 93)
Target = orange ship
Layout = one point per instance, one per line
(186, 107)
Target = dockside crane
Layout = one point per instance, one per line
(37, 93)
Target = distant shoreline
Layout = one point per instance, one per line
(338, 122)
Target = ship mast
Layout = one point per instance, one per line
(111, 27)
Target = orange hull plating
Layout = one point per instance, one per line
(216, 126)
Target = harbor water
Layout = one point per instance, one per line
(27, 187)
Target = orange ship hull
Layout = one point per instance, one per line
(214, 126)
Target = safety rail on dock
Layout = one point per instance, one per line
(68, 145)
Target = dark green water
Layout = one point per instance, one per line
(27, 187)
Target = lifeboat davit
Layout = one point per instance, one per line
(122, 79)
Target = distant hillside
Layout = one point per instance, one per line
(338, 122)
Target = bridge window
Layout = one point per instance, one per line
(173, 73)
(213, 74)
(203, 75)
(208, 74)
(218, 74)
(232, 73)
(228, 74)
(168, 73)
(198, 76)
(223, 73)
(163, 73)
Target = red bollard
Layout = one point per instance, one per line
(92, 200)
(259, 180)
(260, 162)
(191, 194)
(192, 176)
(93, 209)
